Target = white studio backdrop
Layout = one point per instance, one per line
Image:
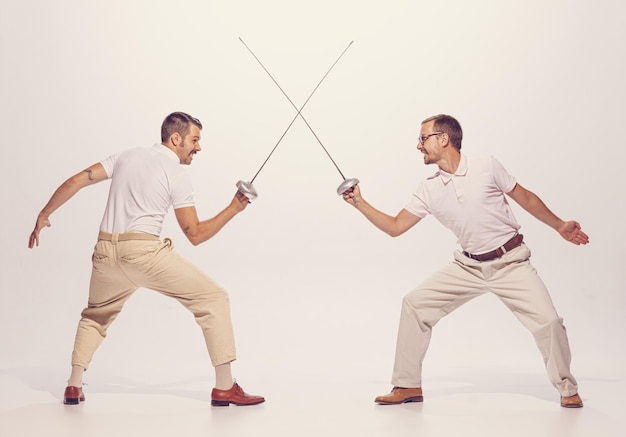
(315, 289)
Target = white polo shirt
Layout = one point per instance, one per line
(145, 182)
(471, 203)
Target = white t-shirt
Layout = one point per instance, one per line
(146, 181)
(471, 203)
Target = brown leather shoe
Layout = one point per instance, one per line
(401, 395)
(571, 401)
(73, 395)
(234, 395)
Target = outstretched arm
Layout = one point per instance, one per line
(199, 231)
(393, 226)
(65, 192)
(570, 230)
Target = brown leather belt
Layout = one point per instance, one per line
(497, 253)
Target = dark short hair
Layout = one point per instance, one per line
(449, 125)
(178, 122)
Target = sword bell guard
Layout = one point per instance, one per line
(247, 189)
(347, 185)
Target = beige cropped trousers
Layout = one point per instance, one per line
(514, 281)
(122, 263)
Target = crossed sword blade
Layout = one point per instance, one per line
(246, 187)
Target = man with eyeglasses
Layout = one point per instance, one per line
(145, 183)
(467, 195)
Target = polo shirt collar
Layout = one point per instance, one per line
(460, 171)
(167, 152)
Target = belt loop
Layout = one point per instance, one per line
(114, 238)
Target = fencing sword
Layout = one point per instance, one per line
(347, 184)
(245, 187)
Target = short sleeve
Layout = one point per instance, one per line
(501, 177)
(182, 191)
(109, 164)
(417, 204)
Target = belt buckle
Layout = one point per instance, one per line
(471, 255)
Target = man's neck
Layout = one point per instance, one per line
(450, 162)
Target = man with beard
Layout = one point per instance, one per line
(145, 183)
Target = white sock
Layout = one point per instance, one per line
(223, 377)
(76, 378)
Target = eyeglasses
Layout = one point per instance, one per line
(422, 138)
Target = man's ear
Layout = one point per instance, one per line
(175, 139)
(444, 139)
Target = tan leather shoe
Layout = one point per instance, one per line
(73, 395)
(571, 401)
(234, 395)
(401, 395)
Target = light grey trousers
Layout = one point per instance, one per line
(124, 262)
(514, 281)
